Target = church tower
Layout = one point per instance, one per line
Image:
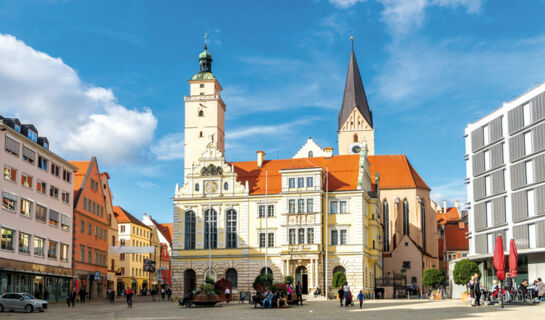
(204, 113)
(355, 119)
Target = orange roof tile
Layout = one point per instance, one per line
(79, 175)
(455, 237)
(452, 215)
(396, 172)
(125, 217)
(168, 230)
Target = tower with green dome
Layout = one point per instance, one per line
(205, 63)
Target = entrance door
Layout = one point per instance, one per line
(301, 275)
(190, 280)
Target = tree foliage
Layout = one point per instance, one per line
(339, 279)
(464, 270)
(433, 277)
(264, 281)
(289, 279)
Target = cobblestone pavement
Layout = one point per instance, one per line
(373, 309)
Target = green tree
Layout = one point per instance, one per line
(339, 279)
(289, 279)
(464, 270)
(264, 281)
(433, 277)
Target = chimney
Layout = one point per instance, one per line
(260, 158)
(456, 204)
(444, 206)
(328, 151)
(461, 225)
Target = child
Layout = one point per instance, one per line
(361, 297)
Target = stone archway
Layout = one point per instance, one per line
(190, 280)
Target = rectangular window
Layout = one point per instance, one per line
(10, 174)
(262, 211)
(301, 236)
(334, 237)
(89, 255)
(26, 207)
(486, 135)
(24, 243)
(122, 229)
(65, 222)
(487, 160)
(41, 213)
(122, 242)
(9, 201)
(310, 205)
(300, 205)
(491, 241)
(262, 240)
(82, 253)
(84, 203)
(12, 146)
(54, 192)
(65, 196)
(29, 155)
(122, 257)
(300, 182)
(32, 135)
(489, 214)
(528, 143)
(531, 204)
(310, 235)
(529, 172)
(291, 182)
(526, 115)
(344, 237)
(291, 205)
(26, 180)
(487, 186)
(270, 210)
(52, 249)
(82, 226)
(53, 217)
(291, 236)
(532, 236)
(39, 246)
(333, 207)
(310, 182)
(41, 186)
(343, 207)
(42, 163)
(66, 175)
(96, 231)
(406, 265)
(64, 252)
(270, 241)
(55, 170)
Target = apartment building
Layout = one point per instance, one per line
(36, 215)
(505, 163)
(112, 236)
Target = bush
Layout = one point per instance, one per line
(433, 278)
(263, 282)
(289, 279)
(206, 288)
(339, 279)
(209, 280)
(464, 270)
(279, 287)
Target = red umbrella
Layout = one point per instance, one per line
(499, 259)
(513, 259)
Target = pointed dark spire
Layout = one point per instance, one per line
(354, 93)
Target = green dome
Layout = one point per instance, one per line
(205, 55)
(203, 76)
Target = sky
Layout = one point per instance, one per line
(108, 78)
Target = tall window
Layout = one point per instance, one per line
(231, 228)
(190, 230)
(262, 211)
(333, 207)
(291, 182)
(334, 237)
(300, 205)
(210, 229)
(52, 250)
(300, 182)
(270, 240)
(291, 206)
(232, 276)
(262, 239)
(405, 216)
(386, 223)
(310, 205)
(310, 154)
(301, 236)
(24, 243)
(291, 236)
(423, 222)
(39, 245)
(270, 210)
(310, 182)
(310, 235)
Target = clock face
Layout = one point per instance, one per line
(210, 186)
(354, 148)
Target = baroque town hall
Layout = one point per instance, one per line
(310, 216)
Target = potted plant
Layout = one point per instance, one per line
(463, 271)
(207, 295)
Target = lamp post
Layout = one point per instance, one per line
(326, 230)
(209, 234)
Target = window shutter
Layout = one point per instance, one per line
(540, 199)
(480, 216)
(477, 138)
(12, 146)
(518, 175)
(516, 147)
(498, 205)
(29, 153)
(515, 118)
(498, 182)
(496, 156)
(539, 168)
(478, 163)
(481, 243)
(540, 233)
(538, 107)
(519, 205)
(538, 136)
(496, 129)
(478, 188)
(521, 236)
(53, 215)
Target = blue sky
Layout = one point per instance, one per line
(107, 78)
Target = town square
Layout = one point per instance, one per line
(328, 159)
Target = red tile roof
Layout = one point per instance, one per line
(79, 175)
(168, 230)
(125, 217)
(452, 215)
(396, 172)
(455, 237)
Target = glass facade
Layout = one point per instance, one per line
(51, 288)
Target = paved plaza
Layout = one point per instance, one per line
(373, 309)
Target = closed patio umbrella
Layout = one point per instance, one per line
(513, 259)
(499, 262)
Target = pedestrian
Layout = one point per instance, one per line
(163, 292)
(361, 297)
(540, 289)
(68, 298)
(299, 293)
(227, 294)
(169, 293)
(153, 293)
(73, 296)
(129, 292)
(82, 295)
(341, 295)
(476, 290)
(346, 289)
(242, 297)
(289, 289)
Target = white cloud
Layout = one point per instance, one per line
(147, 185)
(454, 190)
(169, 147)
(79, 120)
(345, 3)
(267, 130)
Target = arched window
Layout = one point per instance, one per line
(355, 137)
(232, 276)
(225, 186)
(310, 154)
(267, 271)
(210, 273)
(201, 113)
(339, 269)
(386, 223)
(231, 228)
(405, 217)
(189, 229)
(210, 229)
(197, 187)
(423, 221)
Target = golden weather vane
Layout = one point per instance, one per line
(205, 37)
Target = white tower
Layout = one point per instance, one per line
(204, 113)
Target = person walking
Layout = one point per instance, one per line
(341, 295)
(169, 293)
(361, 297)
(299, 293)
(73, 296)
(82, 295)
(163, 293)
(477, 288)
(129, 292)
(227, 294)
(540, 289)
(346, 289)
